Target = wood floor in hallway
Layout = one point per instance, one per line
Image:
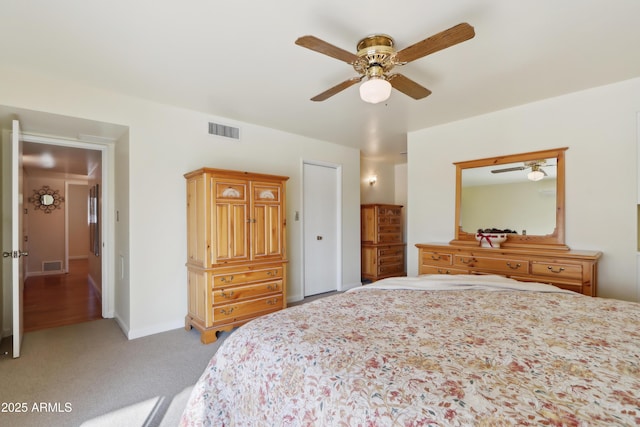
(61, 299)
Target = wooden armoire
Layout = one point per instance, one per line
(236, 248)
(382, 247)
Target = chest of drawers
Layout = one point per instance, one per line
(382, 247)
(573, 270)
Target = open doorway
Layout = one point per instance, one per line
(63, 282)
(65, 132)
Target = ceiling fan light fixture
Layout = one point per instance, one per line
(375, 90)
(535, 175)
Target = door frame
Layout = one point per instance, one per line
(67, 183)
(338, 195)
(107, 226)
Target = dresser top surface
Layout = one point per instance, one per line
(511, 251)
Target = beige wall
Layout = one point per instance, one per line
(383, 191)
(46, 231)
(149, 238)
(599, 127)
(76, 203)
(524, 207)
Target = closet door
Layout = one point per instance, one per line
(322, 225)
(231, 225)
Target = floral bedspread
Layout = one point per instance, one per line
(416, 357)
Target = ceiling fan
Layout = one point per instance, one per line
(376, 56)
(536, 174)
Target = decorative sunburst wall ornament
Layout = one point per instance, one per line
(46, 199)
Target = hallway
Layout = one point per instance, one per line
(61, 299)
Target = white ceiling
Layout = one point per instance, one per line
(237, 59)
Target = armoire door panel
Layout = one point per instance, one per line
(231, 232)
(196, 217)
(267, 231)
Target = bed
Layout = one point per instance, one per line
(434, 350)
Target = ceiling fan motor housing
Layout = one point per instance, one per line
(375, 55)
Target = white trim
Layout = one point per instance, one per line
(67, 183)
(151, 330)
(108, 199)
(94, 285)
(638, 192)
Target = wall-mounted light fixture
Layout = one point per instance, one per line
(373, 179)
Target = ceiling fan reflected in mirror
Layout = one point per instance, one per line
(375, 58)
(536, 174)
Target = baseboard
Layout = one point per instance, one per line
(122, 325)
(294, 298)
(43, 273)
(155, 329)
(95, 286)
(347, 286)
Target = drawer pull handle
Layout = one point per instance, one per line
(272, 287)
(443, 271)
(517, 266)
(224, 295)
(467, 260)
(272, 273)
(224, 279)
(272, 301)
(435, 257)
(559, 270)
(227, 311)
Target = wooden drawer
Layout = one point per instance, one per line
(393, 259)
(431, 269)
(390, 238)
(390, 229)
(436, 258)
(389, 251)
(557, 270)
(502, 265)
(569, 285)
(391, 212)
(391, 269)
(250, 308)
(245, 275)
(236, 293)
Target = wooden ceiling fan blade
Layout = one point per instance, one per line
(517, 168)
(408, 86)
(314, 43)
(447, 38)
(337, 88)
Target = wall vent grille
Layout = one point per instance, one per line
(224, 130)
(51, 265)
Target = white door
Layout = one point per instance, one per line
(321, 220)
(12, 250)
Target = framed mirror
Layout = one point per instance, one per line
(522, 194)
(46, 199)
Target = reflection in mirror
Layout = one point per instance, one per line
(520, 192)
(531, 207)
(46, 199)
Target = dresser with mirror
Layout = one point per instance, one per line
(523, 197)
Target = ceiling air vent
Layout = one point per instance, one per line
(223, 130)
